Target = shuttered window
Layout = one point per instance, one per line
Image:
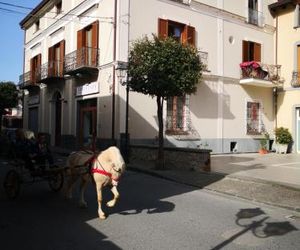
(56, 57)
(35, 68)
(87, 45)
(176, 106)
(251, 51)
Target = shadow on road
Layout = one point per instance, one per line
(259, 228)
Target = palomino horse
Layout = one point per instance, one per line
(106, 169)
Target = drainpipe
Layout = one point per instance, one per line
(275, 92)
(23, 94)
(114, 72)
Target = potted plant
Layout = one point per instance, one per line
(283, 138)
(264, 143)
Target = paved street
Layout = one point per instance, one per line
(153, 213)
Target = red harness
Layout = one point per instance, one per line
(92, 160)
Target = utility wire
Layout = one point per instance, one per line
(38, 16)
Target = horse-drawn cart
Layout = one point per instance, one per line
(18, 175)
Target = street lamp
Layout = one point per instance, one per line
(121, 71)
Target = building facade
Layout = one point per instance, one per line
(287, 17)
(73, 50)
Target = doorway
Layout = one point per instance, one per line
(87, 122)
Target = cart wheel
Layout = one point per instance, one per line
(56, 181)
(12, 184)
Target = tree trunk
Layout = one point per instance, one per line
(160, 164)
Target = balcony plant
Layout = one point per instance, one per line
(283, 138)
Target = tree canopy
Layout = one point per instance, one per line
(8, 96)
(162, 68)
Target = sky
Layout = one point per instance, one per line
(11, 38)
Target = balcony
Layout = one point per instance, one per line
(50, 71)
(82, 61)
(255, 17)
(27, 80)
(260, 75)
(295, 79)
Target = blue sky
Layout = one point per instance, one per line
(11, 40)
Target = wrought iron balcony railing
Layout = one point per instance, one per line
(85, 57)
(295, 79)
(260, 71)
(51, 69)
(255, 17)
(25, 79)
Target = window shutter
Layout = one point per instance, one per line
(188, 35)
(32, 71)
(38, 66)
(298, 59)
(245, 51)
(257, 52)
(80, 44)
(61, 57)
(51, 61)
(95, 38)
(80, 39)
(162, 28)
(191, 35)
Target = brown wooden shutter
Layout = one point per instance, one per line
(32, 71)
(245, 51)
(95, 38)
(162, 28)
(191, 35)
(80, 45)
(51, 58)
(257, 52)
(38, 67)
(61, 57)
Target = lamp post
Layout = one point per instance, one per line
(121, 71)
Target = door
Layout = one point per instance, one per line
(33, 119)
(298, 129)
(88, 121)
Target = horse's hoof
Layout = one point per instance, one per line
(111, 203)
(102, 216)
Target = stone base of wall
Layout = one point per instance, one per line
(178, 158)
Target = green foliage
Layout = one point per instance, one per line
(163, 67)
(283, 136)
(264, 140)
(8, 95)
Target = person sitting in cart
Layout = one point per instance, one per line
(43, 153)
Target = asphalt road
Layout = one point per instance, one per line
(152, 214)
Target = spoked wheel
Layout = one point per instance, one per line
(56, 181)
(12, 184)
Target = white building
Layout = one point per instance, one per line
(72, 50)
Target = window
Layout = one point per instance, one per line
(253, 11)
(297, 17)
(87, 45)
(177, 107)
(58, 8)
(176, 118)
(35, 68)
(251, 51)
(37, 26)
(56, 55)
(253, 118)
(179, 31)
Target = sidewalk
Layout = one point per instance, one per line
(272, 179)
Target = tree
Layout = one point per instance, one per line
(163, 68)
(8, 96)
